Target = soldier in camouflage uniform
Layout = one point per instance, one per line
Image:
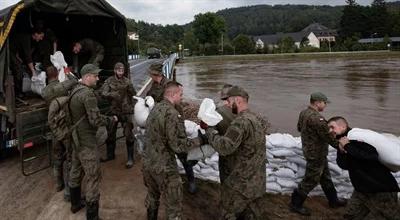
(165, 137)
(243, 145)
(61, 149)
(91, 47)
(227, 118)
(85, 160)
(375, 188)
(156, 91)
(315, 138)
(119, 90)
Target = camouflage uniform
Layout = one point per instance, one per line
(373, 206)
(94, 49)
(61, 149)
(120, 92)
(85, 156)
(243, 145)
(165, 137)
(315, 138)
(223, 163)
(157, 90)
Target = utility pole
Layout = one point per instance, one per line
(222, 43)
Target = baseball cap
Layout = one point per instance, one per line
(156, 67)
(319, 96)
(90, 68)
(237, 91)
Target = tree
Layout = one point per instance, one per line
(286, 45)
(353, 20)
(243, 44)
(379, 19)
(190, 41)
(208, 27)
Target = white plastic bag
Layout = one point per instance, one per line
(142, 110)
(58, 61)
(388, 150)
(208, 114)
(191, 129)
(38, 83)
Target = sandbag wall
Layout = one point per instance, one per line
(285, 167)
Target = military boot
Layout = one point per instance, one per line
(67, 193)
(334, 201)
(152, 214)
(58, 174)
(76, 202)
(191, 180)
(130, 151)
(110, 152)
(296, 204)
(92, 210)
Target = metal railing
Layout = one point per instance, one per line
(169, 65)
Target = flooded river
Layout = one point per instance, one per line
(365, 91)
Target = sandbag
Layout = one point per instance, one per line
(208, 114)
(201, 152)
(142, 110)
(282, 140)
(388, 150)
(58, 61)
(191, 129)
(38, 83)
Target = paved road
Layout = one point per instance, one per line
(139, 74)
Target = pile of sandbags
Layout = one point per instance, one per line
(285, 167)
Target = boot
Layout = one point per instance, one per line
(334, 201)
(59, 179)
(152, 214)
(110, 152)
(191, 180)
(296, 204)
(67, 194)
(92, 211)
(76, 203)
(129, 149)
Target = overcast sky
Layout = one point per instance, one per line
(183, 11)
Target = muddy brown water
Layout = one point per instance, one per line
(366, 91)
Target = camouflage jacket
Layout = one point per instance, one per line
(84, 103)
(119, 92)
(227, 118)
(157, 90)
(244, 144)
(55, 88)
(315, 134)
(165, 136)
(91, 47)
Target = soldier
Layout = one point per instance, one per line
(243, 145)
(119, 90)
(156, 91)
(61, 149)
(91, 47)
(315, 138)
(227, 118)
(85, 113)
(165, 137)
(375, 188)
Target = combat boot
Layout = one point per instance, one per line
(92, 210)
(58, 174)
(334, 201)
(152, 214)
(76, 202)
(130, 151)
(191, 180)
(110, 152)
(296, 204)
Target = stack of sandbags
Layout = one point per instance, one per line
(285, 167)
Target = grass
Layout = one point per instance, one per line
(315, 55)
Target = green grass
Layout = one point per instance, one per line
(285, 56)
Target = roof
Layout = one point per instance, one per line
(315, 27)
(274, 38)
(377, 40)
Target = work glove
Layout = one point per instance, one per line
(203, 125)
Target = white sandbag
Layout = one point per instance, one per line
(283, 153)
(285, 173)
(286, 183)
(208, 114)
(274, 187)
(58, 61)
(301, 162)
(201, 152)
(388, 150)
(282, 140)
(292, 166)
(38, 83)
(191, 129)
(335, 168)
(142, 110)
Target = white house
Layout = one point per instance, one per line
(133, 36)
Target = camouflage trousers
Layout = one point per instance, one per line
(86, 162)
(223, 169)
(62, 159)
(236, 206)
(373, 206)
(169, 185)
(127, 126)
(317, 172)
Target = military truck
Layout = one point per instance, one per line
(23, 122)
(153, 53)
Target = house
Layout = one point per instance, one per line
(133, 36)
(311, 35)
(393, 44)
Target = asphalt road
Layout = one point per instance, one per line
(139, 69)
